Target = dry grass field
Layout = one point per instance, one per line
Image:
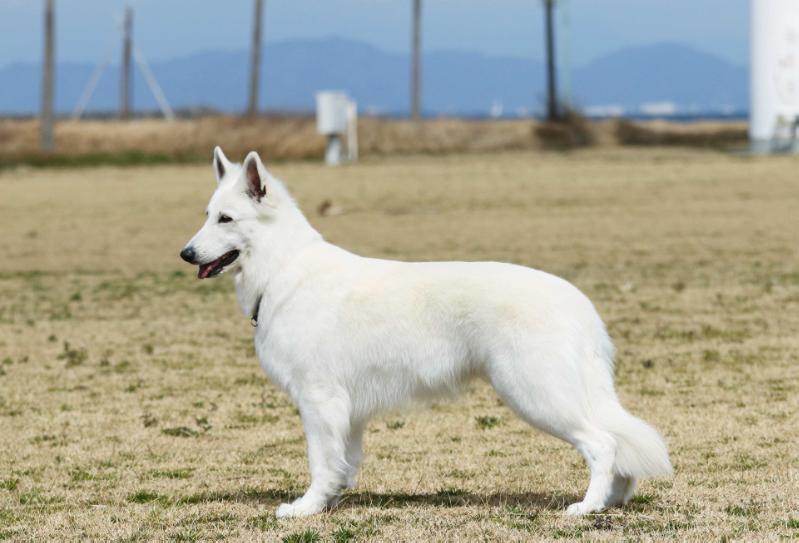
(132, 406)
(148, 141)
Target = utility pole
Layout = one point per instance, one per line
(48, 79)
(416, 46)
(552, 92)
(127, 49)
(255, 59)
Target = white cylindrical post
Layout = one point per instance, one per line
(333, 150)
(774, 84)
(352, 131)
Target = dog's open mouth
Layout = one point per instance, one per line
(215, 267)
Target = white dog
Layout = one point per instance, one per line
(347, 337)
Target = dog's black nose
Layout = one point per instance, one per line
(188, 255)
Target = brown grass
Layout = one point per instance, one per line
(290, 138)
(700, 134)
(132, 406)
(275, 138)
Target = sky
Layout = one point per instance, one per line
(165, 29)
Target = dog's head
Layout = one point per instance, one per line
(241, 204)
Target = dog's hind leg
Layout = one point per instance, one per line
(354, 452)
(326, 420)
(623, 489)
(605, 487)
(548, 393)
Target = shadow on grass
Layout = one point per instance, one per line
(457, 498)
(350, 500)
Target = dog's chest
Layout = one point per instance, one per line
(274, 356)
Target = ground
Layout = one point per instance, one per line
(132, 406)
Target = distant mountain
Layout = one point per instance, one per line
(663, 73)
(454, 82)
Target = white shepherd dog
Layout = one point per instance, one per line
(348, 337)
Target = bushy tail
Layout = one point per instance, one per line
(640, 449)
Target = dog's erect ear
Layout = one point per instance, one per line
(255, 176)
(221, 164)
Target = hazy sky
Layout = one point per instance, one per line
(169, 28)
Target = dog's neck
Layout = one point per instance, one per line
(267, 260)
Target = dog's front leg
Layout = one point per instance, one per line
(327, 428)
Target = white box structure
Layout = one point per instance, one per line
(774, 83)
(331, 112)
(336, 116)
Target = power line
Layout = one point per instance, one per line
(124, 26)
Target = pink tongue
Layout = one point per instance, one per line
(205, 270)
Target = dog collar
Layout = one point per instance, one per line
(254, 318)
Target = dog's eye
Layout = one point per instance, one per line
(224, 218)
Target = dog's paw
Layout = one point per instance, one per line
(583, 508)
(299, 508)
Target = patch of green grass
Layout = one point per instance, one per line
(36, 496)
(745, 510)
(254, 419)
(180, 473)
(203, 423)
(180, 431)
(78, 474)
(515, 517)
(250, 380)
(575, 532)
(395, 424)
(308, 536)
(217, 518)
(642, 499)
(187, 533)
(148, 420)
(9, 484)
(264, 522)
(651, 392)
(147, 496)
(792, 523)
(133, 387)
(7, 516)
(711, 355)
(460, 474)
(73, 357)
(746, 462)
(343, 534)
(7, 534)
(54, 440)
(357, 530)
(485, 422)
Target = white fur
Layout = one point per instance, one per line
(348, 337)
